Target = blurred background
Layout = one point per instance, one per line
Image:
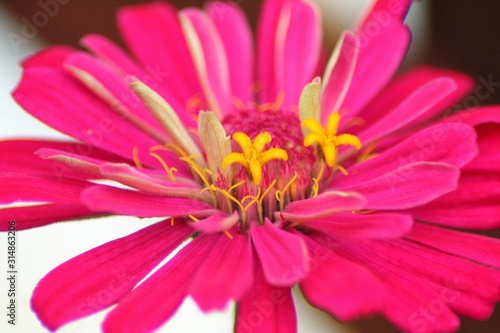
(459, 34)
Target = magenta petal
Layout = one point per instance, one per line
(218, 222)
(153, 33)
(265, 308)
(387, 47)
(481, 249)
(416, 104)
(338, 74)
(411, 185)
(36, 216)
(133, 203)
(363, 226)
(489, 149)
(340, 286)
(111, 54)
(475, 204)
(24, 188)
(158, 297)
(51, 57)
(454, 144)
(298, 45)
(477, 116)
(102, 276)
(236, 36)
(283, 255)
(225, 273)
(18, 156)
(61, 102)
(325, 204)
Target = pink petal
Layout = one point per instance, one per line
(480, 249)
(489, 145)
(61, 102)
(212, 63)
(477, 116)
(102, 276)
(417, 104)
(297, 48)
(225, 273)
(127, 175)
(454, 144)
(37, 216)
(236, 36)
(153, 33)
(325, 204)
(216, 223)
(409, 82)
(473, 205)
(338, 74)
(283, 255)
(156, 299)
(411, 185)
(340, 286)
(384, 42)
(24, 188)
(133, 203)
(265, 308)
(112, 89)
(266, 49)
(19, 156)
(363, 226)
(51, 57)
(111, 54)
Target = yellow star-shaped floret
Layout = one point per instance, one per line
(253, 156)
(327, 138)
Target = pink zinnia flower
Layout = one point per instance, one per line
(351, 185)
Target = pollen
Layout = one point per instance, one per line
(254, 156)
(327, 138)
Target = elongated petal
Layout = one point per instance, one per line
(418, 103)
(298, 45)
(383, 40)
(51, 57)
(481, 249)
(363, 226)
(39, 215)
(210, 59)
(411, 185)
(265, 308)
(77, 287)
(215, 141)
(216, 223)
(155, 300)
(236, 36)
(340, 286)
(454, 144)
(125, 202)
(24, 188)
(475, 204)
(61, 102)
(224, 274)
(325, 204)
(338, 74)
(489, 146)
(112, 89)
(409, 82)
(283, 255)
(19, 156)
(153, 33)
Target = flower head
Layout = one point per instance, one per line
(346, 185)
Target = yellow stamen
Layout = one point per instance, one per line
(228, 234)
(253, 157)
(135, 156)
(315, 188)
(327, 138)
(170, 171)
(281, 194)
(194, 218)
(172, 221)
(342, 169)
